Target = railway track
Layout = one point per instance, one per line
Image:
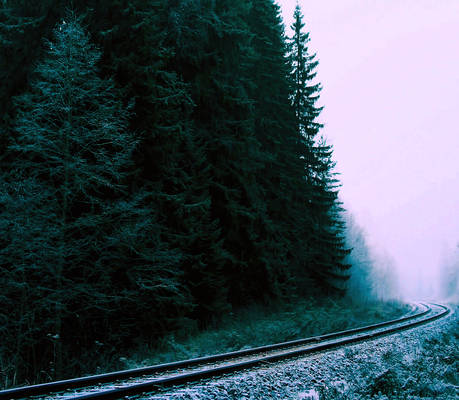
(119, 384)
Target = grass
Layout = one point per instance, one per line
(257, 326)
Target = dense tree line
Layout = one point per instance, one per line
(161, 164)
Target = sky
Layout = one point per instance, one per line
(390, 76)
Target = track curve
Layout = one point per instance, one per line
(149, 379)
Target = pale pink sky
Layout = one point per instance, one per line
(390, 72)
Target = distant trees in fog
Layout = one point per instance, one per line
(373, 274)
(449, 275)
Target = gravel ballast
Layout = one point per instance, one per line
(421, 363)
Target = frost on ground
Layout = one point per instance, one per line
(422, 363)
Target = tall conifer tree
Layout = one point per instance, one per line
(274, 126)
(73, 146)
(71, 141)
(324, 249)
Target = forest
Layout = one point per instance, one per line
(162, 164)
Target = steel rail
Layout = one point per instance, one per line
(218, 371)
(58, 386)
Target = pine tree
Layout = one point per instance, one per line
(305, 93)
(73, 143)
(71, 140)
(274, 127)
(328, 264)
(322, 227)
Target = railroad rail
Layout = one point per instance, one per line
(116, 385)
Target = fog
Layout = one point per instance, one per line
(390, 76)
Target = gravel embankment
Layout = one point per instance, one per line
(422, 363)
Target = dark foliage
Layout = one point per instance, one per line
(160, 166)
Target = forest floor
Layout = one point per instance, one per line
(258, 326)
(422, 363)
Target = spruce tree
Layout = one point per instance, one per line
(322, 256)
(305, 92)
(274, 127)
(73, 142)
(328, 264)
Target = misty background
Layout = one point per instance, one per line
(390, 79)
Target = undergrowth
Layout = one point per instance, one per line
(257, 326)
